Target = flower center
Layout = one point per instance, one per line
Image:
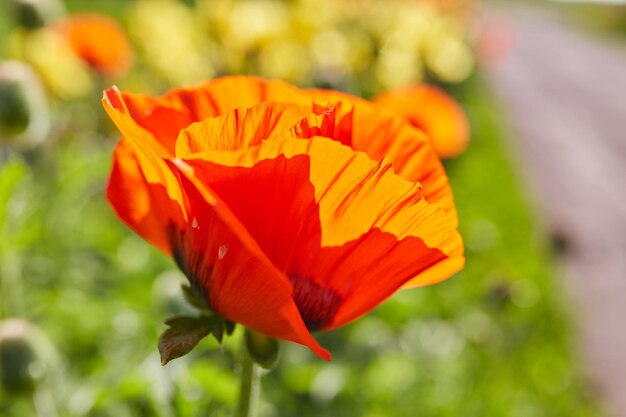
(317, 304)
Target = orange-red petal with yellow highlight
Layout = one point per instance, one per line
(149, 155)
(346, 230)
(142, 188)
(379, 133)
(138, 203)
(98, 40)
(225, 263)
(222, 95)
(167, 115)
(358, 124)
(201, 231)
(429, 108)
(240, 128)
(328, 233)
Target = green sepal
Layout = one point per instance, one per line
(195, 299)
(229, 326)
(262, 349)
(184, 333)
(218, 332)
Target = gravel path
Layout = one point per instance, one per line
(566, 95)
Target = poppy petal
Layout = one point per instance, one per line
(167, 115)
(379, 133)
(228, 266)
(240, 128)
(429, 108)
(159, 119)
(275, 221)
(413, 157)
(346, 230)
(157, 198)
(244, 276)
(222, 95)
(358, 124)
(135, 201)
(149, 154)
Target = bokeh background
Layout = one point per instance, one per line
(529, 328)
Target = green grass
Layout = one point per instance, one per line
(495, 340)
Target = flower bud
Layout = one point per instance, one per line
(26, 356)
(34, 14)
(23, 113)
(262, 349)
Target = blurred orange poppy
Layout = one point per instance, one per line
(432, 110)
(250, 187)
(98, 40)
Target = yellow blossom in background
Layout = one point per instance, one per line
(251, 23)
(367, 42)
(168, 35)
(446, 53)
(351, 45)
(286, 60)
(61, 70)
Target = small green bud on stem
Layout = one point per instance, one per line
(26, 356)
(34, 14)
(262, 349)
(24, 117)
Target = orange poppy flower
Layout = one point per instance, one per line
(432, 110)
(98, 40)
(250, 187)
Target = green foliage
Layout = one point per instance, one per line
(10, 176)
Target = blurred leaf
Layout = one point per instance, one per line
(10, 176)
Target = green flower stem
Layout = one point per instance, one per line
(250, 384)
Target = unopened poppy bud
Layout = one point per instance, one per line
(34, 14)
(26, 356)
(23, 113)
(262, 349)
(13, 108)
